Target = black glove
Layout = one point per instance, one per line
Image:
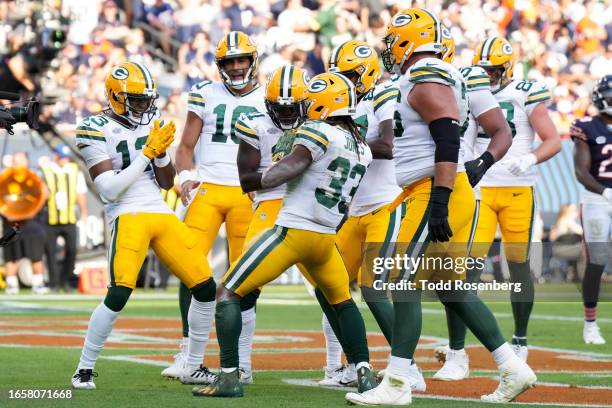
(477, 168)
(7, 120)
(439, 230)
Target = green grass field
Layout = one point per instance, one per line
(49, 363)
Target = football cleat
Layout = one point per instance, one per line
(456, 366)
(83, 379)
(417, 381)
(515, 376)
(200, 375)
(521, 351)
(333, 377)
(393, 390)
(365, 379)
(40, 290)
(178, 365)
(245, 378)
(226, 385)
(592, 334)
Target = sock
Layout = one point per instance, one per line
(12, 282)
(519, 341)
(590, 314)
(229, 324)
(381, 309)
(100, 326)
(502, 354)
(245, 342)
(362, 364)
(590, 290)
(408, 321)
(332, 346)
(185, 346)
(353, 330)
(522, 302)
(399, 366)
(200, 319)
(477, 317)
(591, 323)
(37, 281)
(332, 318)
(184, 302)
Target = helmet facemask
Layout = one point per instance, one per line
(246, 73)
(287, 115)
(140, 109)
(496, 75)
(602, 99)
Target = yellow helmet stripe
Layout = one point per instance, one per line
(146, 74)
(486, 48)
(438, 32)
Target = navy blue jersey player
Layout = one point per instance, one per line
(593, 163)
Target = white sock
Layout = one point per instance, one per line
(37, 281)
(185, 345)
(362, 364)
(200, 319)
(100, 326)
(586, 324)
(332, 345)
(399, 366)
(245, 342)
(503, 353)
(12, 282)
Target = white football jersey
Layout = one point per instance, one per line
(102, 138)
(414, 147)
(258, 130)
(217, 147)
(318, 199)
(517, 100)
(378, 186)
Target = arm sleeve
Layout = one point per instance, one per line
(312, 139)
(539, 92)
(112, 185)
(81, 187)
(385, 102)
(196, 100)
(246, 131)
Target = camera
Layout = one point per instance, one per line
(15, 114)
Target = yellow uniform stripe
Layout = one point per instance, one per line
(385, 95)
(194, 99)
(314, 136)
(245, 129)
(90, 133)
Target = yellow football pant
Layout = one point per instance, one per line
(513, 208)
(413, 234)
(213, 205)
(173, 242)
(270, 254)
(379, 228)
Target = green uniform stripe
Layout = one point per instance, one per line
(543, 91)
(311, 140)
(88, 128)
(431, 76)
(385, 100)
(113, 252)
(245, 134)
(316, 132)
(545, 98)
(98, 138)
(290, 80)
(475, 77)
(477, 86)
(473, 228)
(531, 219)
(195, 95)
(202, 104)
(386, 92)
(248, 253)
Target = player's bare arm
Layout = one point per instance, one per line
(495, 125)
(382, 147)
(582, 166)
(545, 128)
(184, 153)
(288, 168)
(164, 171)
(248, 162)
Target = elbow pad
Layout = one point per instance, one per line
(445, 133)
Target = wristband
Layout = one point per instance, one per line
(487, 159)
(184, 176)
(162, 161)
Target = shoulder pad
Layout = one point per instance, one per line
(91, 130)
(536, 91)
(476, 79)
(431, 70)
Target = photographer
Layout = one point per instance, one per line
(14, 75)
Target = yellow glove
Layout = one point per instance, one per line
(160, 138)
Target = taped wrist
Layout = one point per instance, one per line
(439, 201)
(487, 159)
(445, 133)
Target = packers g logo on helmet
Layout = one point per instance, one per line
(507, 49)
(317, 85)
(400, 20)
(120, 73)
(357, 61)
(329, 95)
(131, 92)
(495, 53)
(448, 45)
(363, 51)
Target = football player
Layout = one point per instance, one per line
(128, 163)
(487, 119)
(593, 163)
(507, 196)
(440, 207)
(370, 220)
(328, 160)
(264, 138)
(213, 191)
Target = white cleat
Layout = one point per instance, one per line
(456, 366)
(41, 290)
(393, 390)
(245, 378)
(417, 382)
(11, 291)
(592, 334)
(515, 377)
(521, 351)
(83, 379)
(200, 375)
(333, 377)
(175, 370)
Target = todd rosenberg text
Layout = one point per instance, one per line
(405, 284)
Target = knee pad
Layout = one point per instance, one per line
(205, 291)
(249, 301)
(117, 297)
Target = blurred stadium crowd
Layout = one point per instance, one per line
(566, 43)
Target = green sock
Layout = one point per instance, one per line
(184, 302)
(457, 329)
(477, 317)
(381, 309)
(353, 329)
(407, 324)
(332, 318)
(229, 325)
(522, 302)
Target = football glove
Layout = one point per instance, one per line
(439, 229)
(160, 138)
(519, 166)
(477, 168)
